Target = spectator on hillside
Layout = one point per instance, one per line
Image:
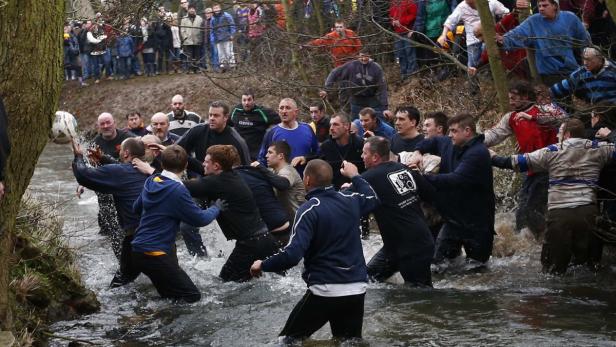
(208, 49)
(223, 31)
(553, 35)
(431, 15)
(402, 14)
(72, 70)
(164, 40)
(513, 61)
(594, 81)
(466, 13)
(84, 50)
(96, 39)
(192, 39)
(176, 44)
(149, 46)
(362, 83)
(125, 48)
(256, 23)
(342, 43)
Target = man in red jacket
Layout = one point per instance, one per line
(533, 130)
(402, 14)
(342, 43)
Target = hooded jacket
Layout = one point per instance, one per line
(123, 181)
(326, 234)
(163, 203)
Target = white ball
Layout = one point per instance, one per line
(64, 128)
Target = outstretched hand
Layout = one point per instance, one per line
(77, 150)
(221, 204)
(255, 269)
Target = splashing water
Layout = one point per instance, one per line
(509, 303)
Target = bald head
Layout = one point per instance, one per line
(106, 126)
(150, 139)
(177, 104)
(318, 173)
(160, 125)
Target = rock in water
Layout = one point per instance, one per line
(64, 128)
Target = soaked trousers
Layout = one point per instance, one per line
(108, 222)
(415, 269)
(477, 243)
(345, 315)
(167, 276)
(532, 204)
(568, 238)
(237, 266)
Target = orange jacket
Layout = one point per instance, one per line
(341, 48)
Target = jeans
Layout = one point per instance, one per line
(95, 62)
(226, 57)
(86, 69)
(474, 53)
(124, 66)
(407, 56)
(108, 62)
(150, 63)
(135, 66)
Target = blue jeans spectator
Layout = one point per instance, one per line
(474, 53)
(86, 69)
(124, 66)
(214, 56)
(95, 62)
(135, 65)
(407, 56)
(149, 60)
(108, 62)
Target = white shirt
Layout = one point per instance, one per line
(170, 175)
(470, 17)
(338, 289)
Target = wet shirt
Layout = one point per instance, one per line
(112, 147)
(241, 220)
(399, 217)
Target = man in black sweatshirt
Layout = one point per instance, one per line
(408, 245)
(241, 221)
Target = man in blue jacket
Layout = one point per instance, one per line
(465, 189)
(163, 203)
(553, 35)
(326, 234)
(125, 183)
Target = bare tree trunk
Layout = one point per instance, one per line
(318, 12)
(292, 32)
(530, 53)
(496, 65)
(611, 7)
(30, 83)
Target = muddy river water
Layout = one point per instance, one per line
(509, 304)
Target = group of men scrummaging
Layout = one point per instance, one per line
(287, 195)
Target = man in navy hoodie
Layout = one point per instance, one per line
(125, 183)
(465, 189)
(163, 203)
(326, 234)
